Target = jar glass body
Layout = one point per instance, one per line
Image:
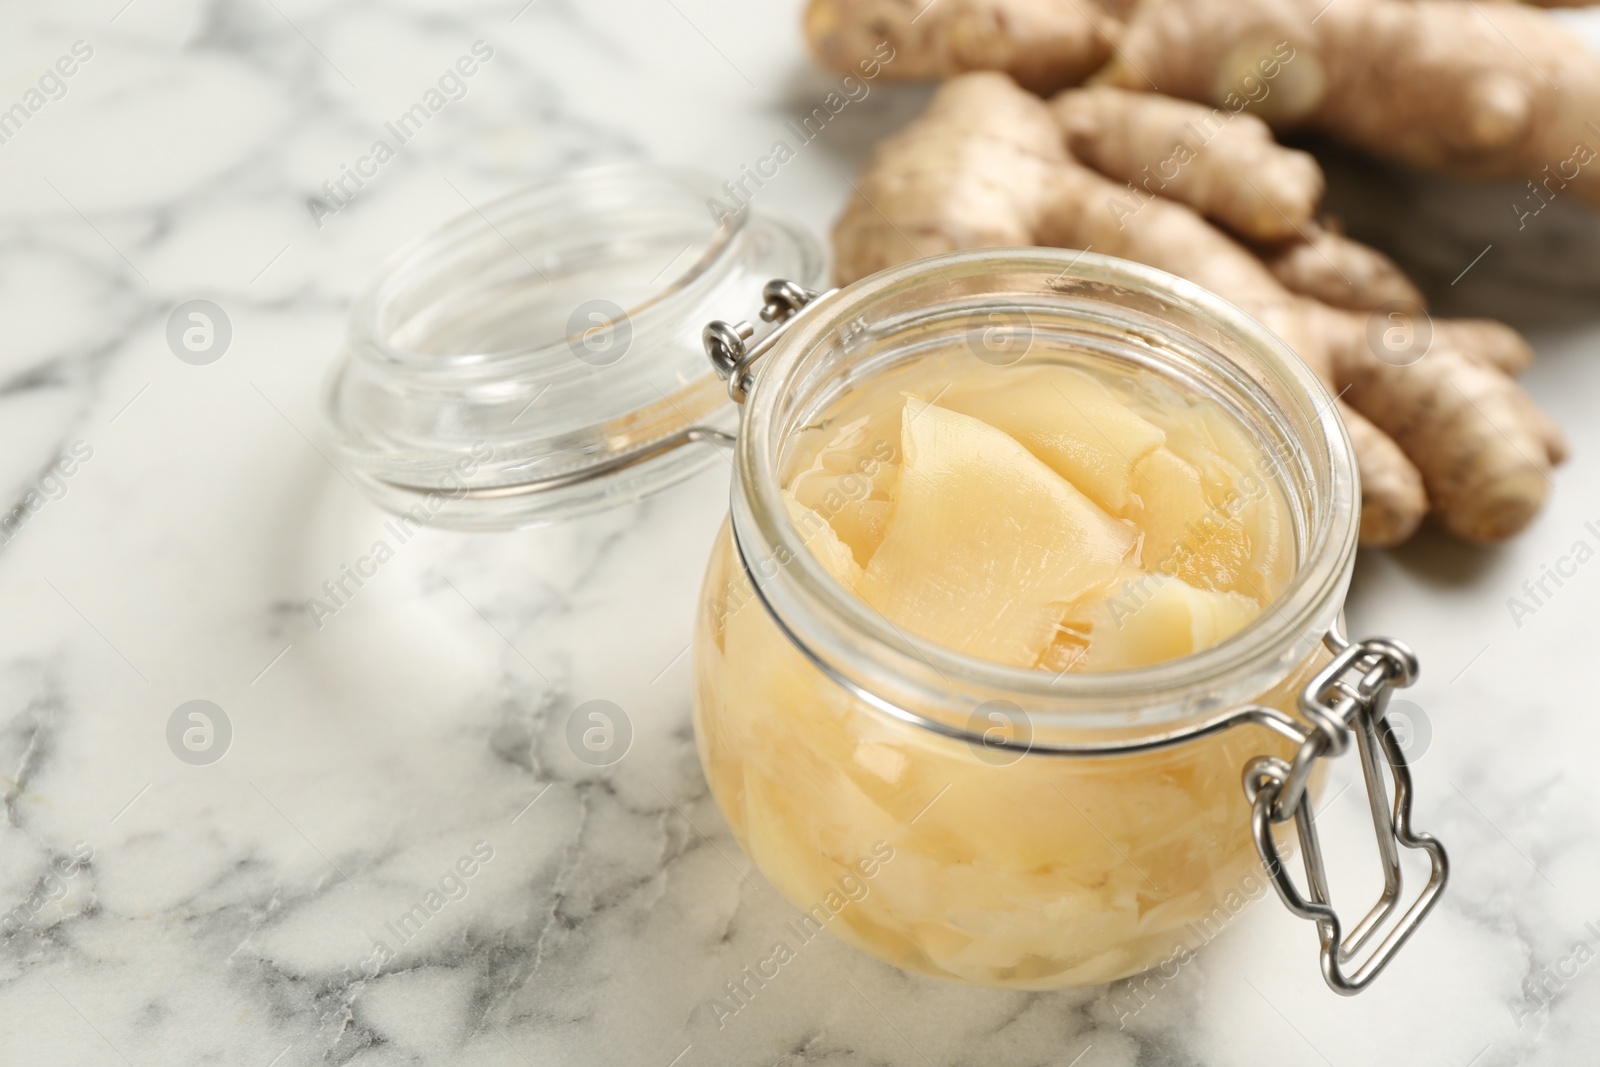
(1110, 834)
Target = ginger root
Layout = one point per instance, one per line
(988, 164)
(1483, 90)
(1197, 155)
(1043, 44)
(1336, 270)
(1497, 90)
(1229, 168)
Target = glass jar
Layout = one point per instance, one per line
(539, 360)
(1006, 826)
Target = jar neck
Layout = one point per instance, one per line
(1157, 322)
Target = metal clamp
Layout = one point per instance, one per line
(1349, 697)
(728, 343)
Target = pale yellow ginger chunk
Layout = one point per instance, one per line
(986, 544)
(850, 480)
(1187, 535)
(1206, 503)
(1071, 421)
(834, 555)
(1151, 619)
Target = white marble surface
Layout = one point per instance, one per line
(226, 913)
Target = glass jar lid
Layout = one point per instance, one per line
(540, 357)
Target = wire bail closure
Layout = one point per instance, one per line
(727, 344)
(1348, 698)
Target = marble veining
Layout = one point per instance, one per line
(399, 859)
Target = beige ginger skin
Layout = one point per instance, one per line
(1498, 90)
(991, 164)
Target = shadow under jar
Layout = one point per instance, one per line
(1012, 827)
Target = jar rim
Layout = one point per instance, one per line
(898, 671)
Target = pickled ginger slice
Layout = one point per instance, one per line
(1156, 619)
(1186, 534)
(850, 478)
(1241, 539)
(834, 555)
(1071, 421)
(986, 544)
